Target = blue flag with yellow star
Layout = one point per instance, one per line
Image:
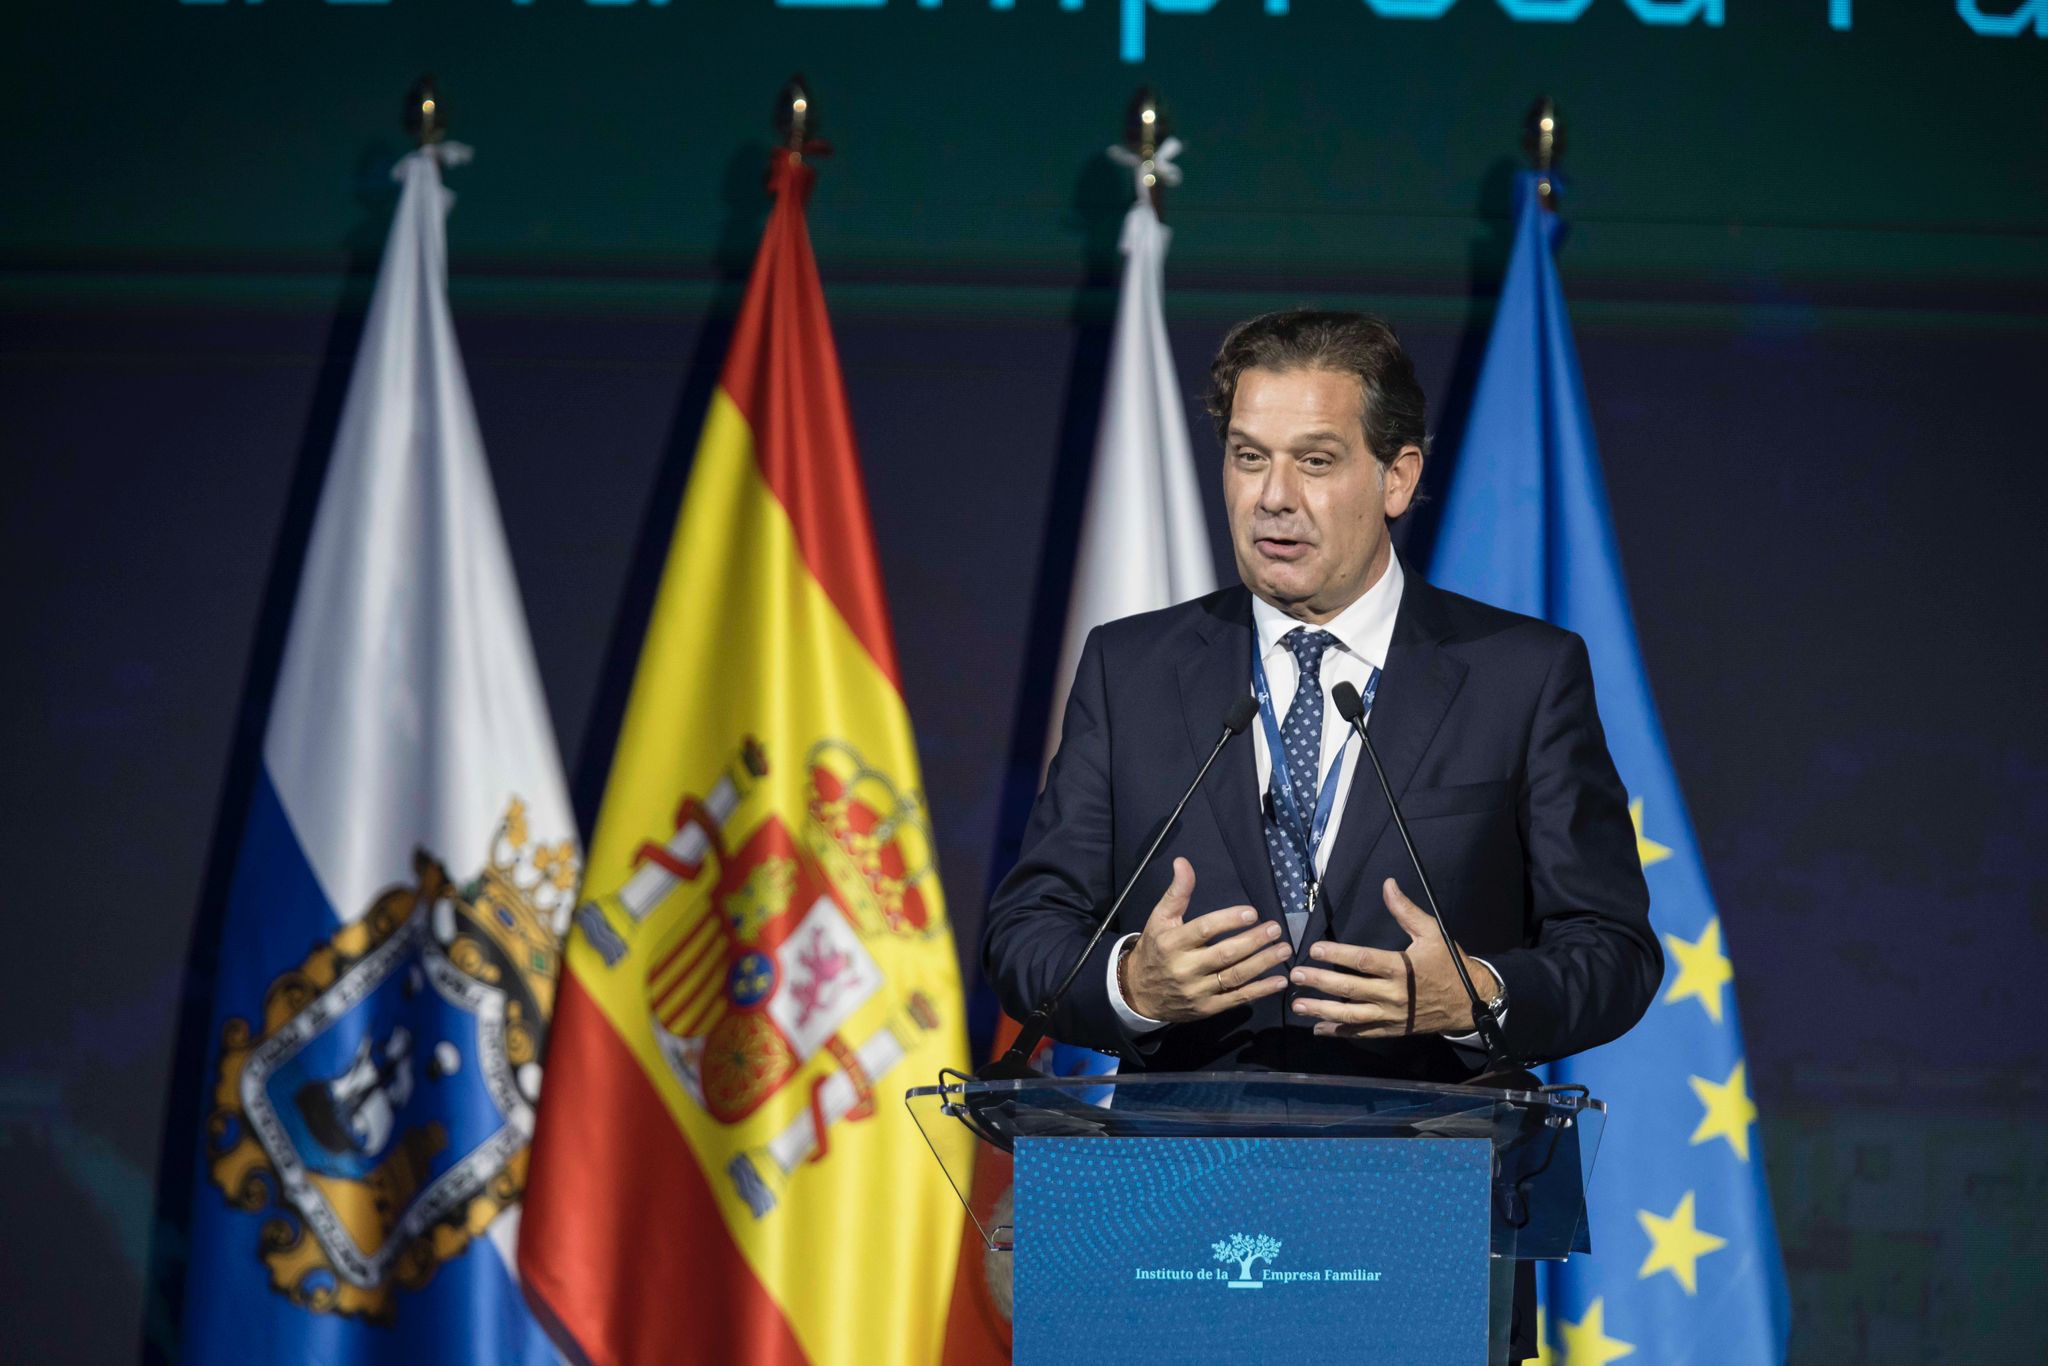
(1685, 1264)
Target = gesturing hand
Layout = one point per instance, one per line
(1381, 993)
(1175, 973)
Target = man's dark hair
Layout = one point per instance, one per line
(1391, 403)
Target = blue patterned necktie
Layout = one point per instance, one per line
(1302, 735)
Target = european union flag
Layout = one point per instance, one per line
(1685, 1264)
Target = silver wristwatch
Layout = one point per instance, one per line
(1500, 995)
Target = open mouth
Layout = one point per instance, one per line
(1281, 548)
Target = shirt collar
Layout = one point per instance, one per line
(1365, 628)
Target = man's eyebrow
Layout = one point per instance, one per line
(1321, 436)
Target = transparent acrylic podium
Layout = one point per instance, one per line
(1349, 1203)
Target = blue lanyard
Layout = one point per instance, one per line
(1276, 749)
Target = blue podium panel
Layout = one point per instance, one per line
(1138, 1250)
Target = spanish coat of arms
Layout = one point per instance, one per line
(767, 944)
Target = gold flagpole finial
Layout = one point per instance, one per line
(1543, 140)
(1145, 128)
(426, 116)
(796, 117)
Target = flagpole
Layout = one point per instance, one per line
(426, 116)
(795, 115)
(1543, 140)
(1144, 129)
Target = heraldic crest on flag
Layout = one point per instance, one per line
(764, 949)
(325, 1110)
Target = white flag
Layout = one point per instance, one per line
(1144, 544)
(388, 961)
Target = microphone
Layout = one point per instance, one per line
(1015, 1064)
(1352, 708)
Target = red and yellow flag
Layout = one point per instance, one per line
(724, 1169)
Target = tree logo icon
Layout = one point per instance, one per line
(1244, 1251)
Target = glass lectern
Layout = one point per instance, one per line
(1224, 1216)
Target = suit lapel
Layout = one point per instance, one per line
(1417, 685)
(1213, 675)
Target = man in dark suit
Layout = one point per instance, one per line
(1274, 931)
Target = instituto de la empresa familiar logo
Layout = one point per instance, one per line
(1245, 1252)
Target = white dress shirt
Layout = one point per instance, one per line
(1364, 632)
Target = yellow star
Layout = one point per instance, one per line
(1703, 969)
(1544, 1355)
(1586, 1342)
(1676, 1245)
(1730, 1111)
(1648, 850)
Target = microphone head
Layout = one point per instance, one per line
(1350, 705)
(1240, 714)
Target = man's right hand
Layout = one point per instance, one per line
(1176, 973)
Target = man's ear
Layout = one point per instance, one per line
(1400, 480)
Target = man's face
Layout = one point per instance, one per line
(1308, 501)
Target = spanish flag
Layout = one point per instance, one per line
(761, 963)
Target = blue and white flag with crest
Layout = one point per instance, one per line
(1685, 1264)
(388, 960)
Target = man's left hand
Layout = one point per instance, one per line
(1382, 994)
